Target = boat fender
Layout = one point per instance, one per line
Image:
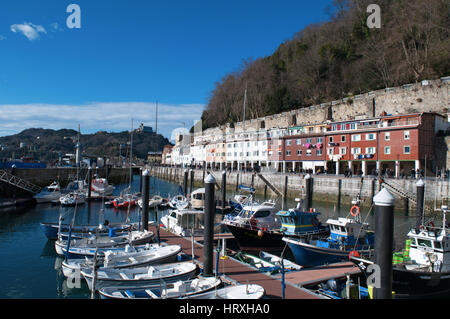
(353, 253)
(354, 211)
(260, 233)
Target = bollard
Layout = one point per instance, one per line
(191, 187)
(339, 195)
(140, 180)
(308, 199)
(265, 192)
(237, 182)
(210, 209)
(224, 188)
(420, 185)
(185, 182)
(384, 240)
(145, 199)
(89, 185)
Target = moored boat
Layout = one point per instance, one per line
(177, 289)
(250, 291)
(49, 193)
(140, 276)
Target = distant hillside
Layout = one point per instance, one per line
(45, 144)
(338, 59)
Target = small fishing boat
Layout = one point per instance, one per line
(178, 202)
(75, 252)
(132, 238)
(346, 235)
(198, 198)
(153, 202)
(177, 289)
(183, 221)
(288, 265)
(260, 227)
(250, 291)
(261, 264)
(125, 201)
(82, 231)
(49, 193)
(140, 276)
(72, 199)
(100, 187)
(125, 259)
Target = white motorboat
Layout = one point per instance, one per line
(72, 199)
(125, 259)
(198, 198)
(140, 276)
(100, 187)
(250, 291)
(49, 193)
(181, 288)
(77, 245)
(153, 202)
(183, 221)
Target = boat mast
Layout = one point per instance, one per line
(156, 119)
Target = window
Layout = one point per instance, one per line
(356, 150)
(406, 135)
(298, 141)
(319, 152)
(370, 150)
(299, 152)
(356, 138)
(342, 138)
(331, 139)
(387, 136)
(319, 140)
(342, 150)
(334, 127)
(288, 142)
(387, 150)
(407, 149)
(330, 151)
(309, 140)
(424, 242)
(370, 137)
(352, 126)
(288, 153)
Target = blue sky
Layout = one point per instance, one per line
(128, 54)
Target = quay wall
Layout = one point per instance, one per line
(325, 187)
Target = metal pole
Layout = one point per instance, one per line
(420, 185)
(224, 188)
(210, 209)
(384, 240)
(185, 182)
(308, 200)
(140, 180)
(89, 184)
(191, 188)
(285, 192)
(145, 199)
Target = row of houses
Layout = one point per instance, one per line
(396, 143)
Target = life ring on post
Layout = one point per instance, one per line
(354, 211)
(430, 226)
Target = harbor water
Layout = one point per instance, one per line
(30, 267)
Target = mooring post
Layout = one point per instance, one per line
(210, 209)
(308, 199)
(406, 205)
(191, 187)
(384, 239)
(420, 186)
(140, 180)
(265, 192)
(224, 188)
(185, 182)
(145, 199)
(339, 195)
(237, 182)
(89, 184)
(285, 192)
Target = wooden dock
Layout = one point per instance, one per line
(237, 272)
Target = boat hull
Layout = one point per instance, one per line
(308, 255)
(51, 230)
(415, 284)
(249, 240)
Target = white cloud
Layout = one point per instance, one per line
(28, 29)
(98, 116)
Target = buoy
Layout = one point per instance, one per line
(260, 233)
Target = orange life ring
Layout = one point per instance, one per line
(352, 210)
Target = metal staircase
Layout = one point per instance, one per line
(18, 182)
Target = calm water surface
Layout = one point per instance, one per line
(30, 267)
